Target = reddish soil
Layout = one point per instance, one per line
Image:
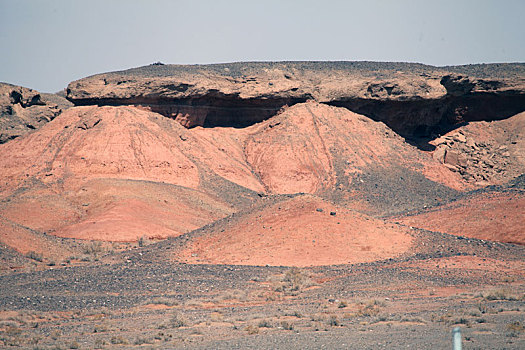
(81, 176)
(120, 173)
(490, 216)
(299, 232)
(90, 142)
(25, 241)
(302, 149)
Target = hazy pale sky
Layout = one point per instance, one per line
(46, 44)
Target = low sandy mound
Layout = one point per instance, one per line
(485, 153)
(303, 231)
(114, 210)
(312, 147)
(124, 210)
(27, 241)
(494, 216)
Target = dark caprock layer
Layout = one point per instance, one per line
(414, 100)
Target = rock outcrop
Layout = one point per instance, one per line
(23, 110)
(485, 153)
(413, 99)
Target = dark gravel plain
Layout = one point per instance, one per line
(140, 298)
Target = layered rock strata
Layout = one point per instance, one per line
(414, 100)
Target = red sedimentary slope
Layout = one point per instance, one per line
(25, 241)
(493, 216)
(120, 173)
(311, 147)
(105, 173)
(302, 231)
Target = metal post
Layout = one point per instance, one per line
(456, 338)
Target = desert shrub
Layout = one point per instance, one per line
(483, 308)
(461, 320)
(333, 321)
(74, 345)
(142, 341)
(100, 343)
(143, 241)
(94, 248)
(295, 279)
(234, 294)
(287, 325)
(101, 328)
(252, 329)
(370, 308)
(55, 334)
(294, 314)
(501, 294)
(35, 256)
(292, 282)
(163, 301)
(118, 340)
(264, 324)
(216, 317)
(474, 313)
(11, 336)
(178, 321)
(515, 327)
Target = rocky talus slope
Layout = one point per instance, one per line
(485, 153)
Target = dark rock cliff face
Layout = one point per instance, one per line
(413, 99)
(428, 118)
(23, 110)
(207, 111)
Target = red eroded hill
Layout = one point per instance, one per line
(120, 173)
(302, 231)
(110, 173)
(313, 147)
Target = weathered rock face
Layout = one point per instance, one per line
(23, 110)
(485, 153)
(413, 99)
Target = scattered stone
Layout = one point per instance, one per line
(439, 153)
(459, 138)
